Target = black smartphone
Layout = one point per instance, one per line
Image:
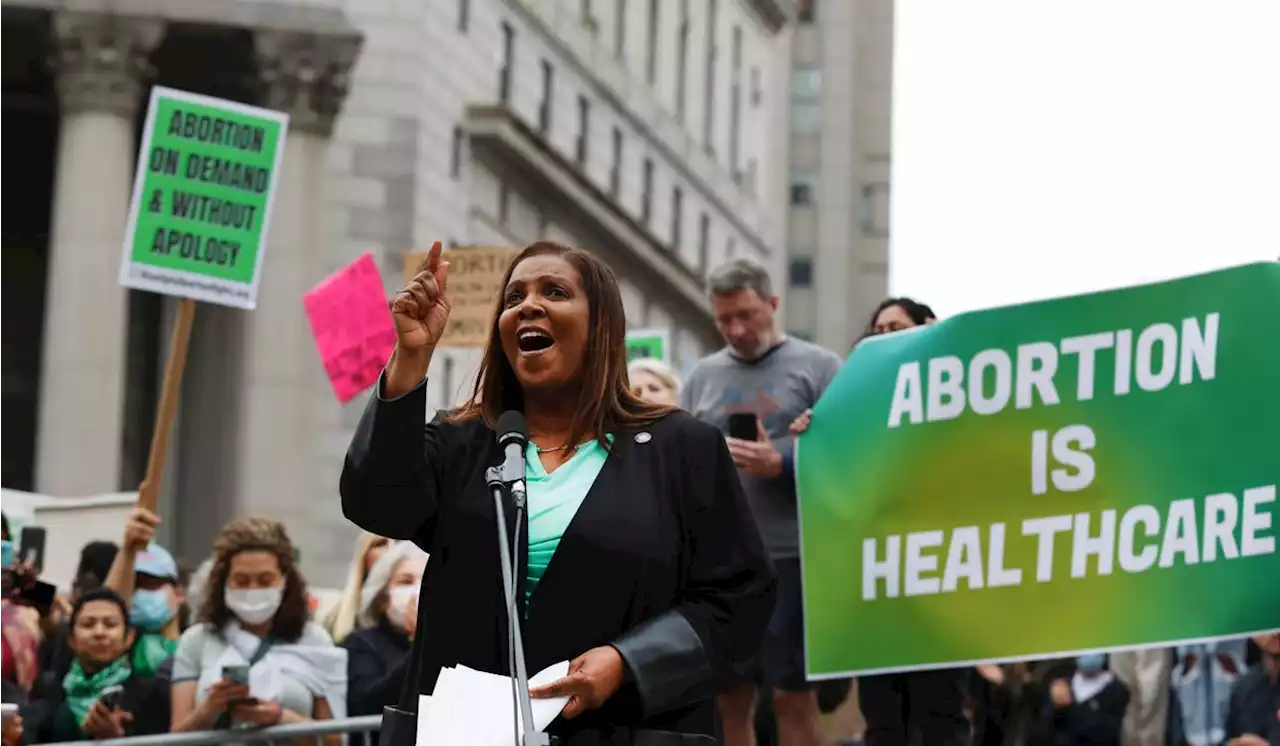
(40, 595)
(742, 425)
(110, 697)
(31, 547)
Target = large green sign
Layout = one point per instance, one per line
(207, 172)
(1078, 474)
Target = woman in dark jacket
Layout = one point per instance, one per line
(100, 697)
(644, 567)
(378, 650)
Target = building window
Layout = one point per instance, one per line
(464, 15)
(544, 109)
(584, 130)
(615, 170)
(802, 190)
(588, 18)
(704, 242)
(504, 202)
(800, 272)
(806, 84)
(730, 248)
(806, 118)
(682, 61)
(508, 54)
(807, 10)
(677, 217)
(757, 92)
(709, 109)
(620, 28)
(646, 195)
(651, 52)
(873, 211)
(455, 153)
(735, 103)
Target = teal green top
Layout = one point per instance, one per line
(554, 500)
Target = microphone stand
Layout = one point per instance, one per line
(500, 483)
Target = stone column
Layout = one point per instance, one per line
(285, 401)
(100, 61)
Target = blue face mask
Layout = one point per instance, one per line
(8, 552)
(1091, 663)
(150, 610)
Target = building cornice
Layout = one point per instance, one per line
(774, 14)
(495, 128)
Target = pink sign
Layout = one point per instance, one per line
(352, 326)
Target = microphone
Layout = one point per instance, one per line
(513, 438)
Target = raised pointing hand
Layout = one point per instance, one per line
(421, 308)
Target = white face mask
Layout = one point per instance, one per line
(399, 599)
(253, 605)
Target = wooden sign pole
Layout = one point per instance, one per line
(170, 393)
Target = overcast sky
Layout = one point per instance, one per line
(1051, 147)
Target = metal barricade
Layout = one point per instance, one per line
(358, 731)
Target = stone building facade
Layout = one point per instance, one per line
(650, 132)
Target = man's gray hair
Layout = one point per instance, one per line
(740, 274)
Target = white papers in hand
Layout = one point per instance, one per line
(476, 708)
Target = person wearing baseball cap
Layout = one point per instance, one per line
(146, 574)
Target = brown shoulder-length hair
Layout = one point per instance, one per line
(256, 535)
(607, 404)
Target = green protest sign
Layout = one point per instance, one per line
(206, 176)
(654, 343)
(1087, 473)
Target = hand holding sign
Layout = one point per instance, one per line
(421, 308)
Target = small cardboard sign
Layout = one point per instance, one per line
(202, 194)
(352, 326)
(475, 284)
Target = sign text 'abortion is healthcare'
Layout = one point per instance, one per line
(1087, 473)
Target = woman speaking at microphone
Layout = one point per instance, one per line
(644, 567)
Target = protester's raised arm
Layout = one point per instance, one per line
(139, 532)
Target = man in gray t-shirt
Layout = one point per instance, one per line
(773, 379)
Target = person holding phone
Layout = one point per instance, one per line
(11, 731)
(752, 390)
(101, 696)
(254, 659)
(18, 621)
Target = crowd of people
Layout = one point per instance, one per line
(141, 645)
(1225, 692)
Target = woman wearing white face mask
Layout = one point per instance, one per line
(378, 653)
(254, 659)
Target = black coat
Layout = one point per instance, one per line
(377, 659)
(1093, 722)
(663, 560)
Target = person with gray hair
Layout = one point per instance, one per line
(654, 381)
(378, 651)
(761, 381)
